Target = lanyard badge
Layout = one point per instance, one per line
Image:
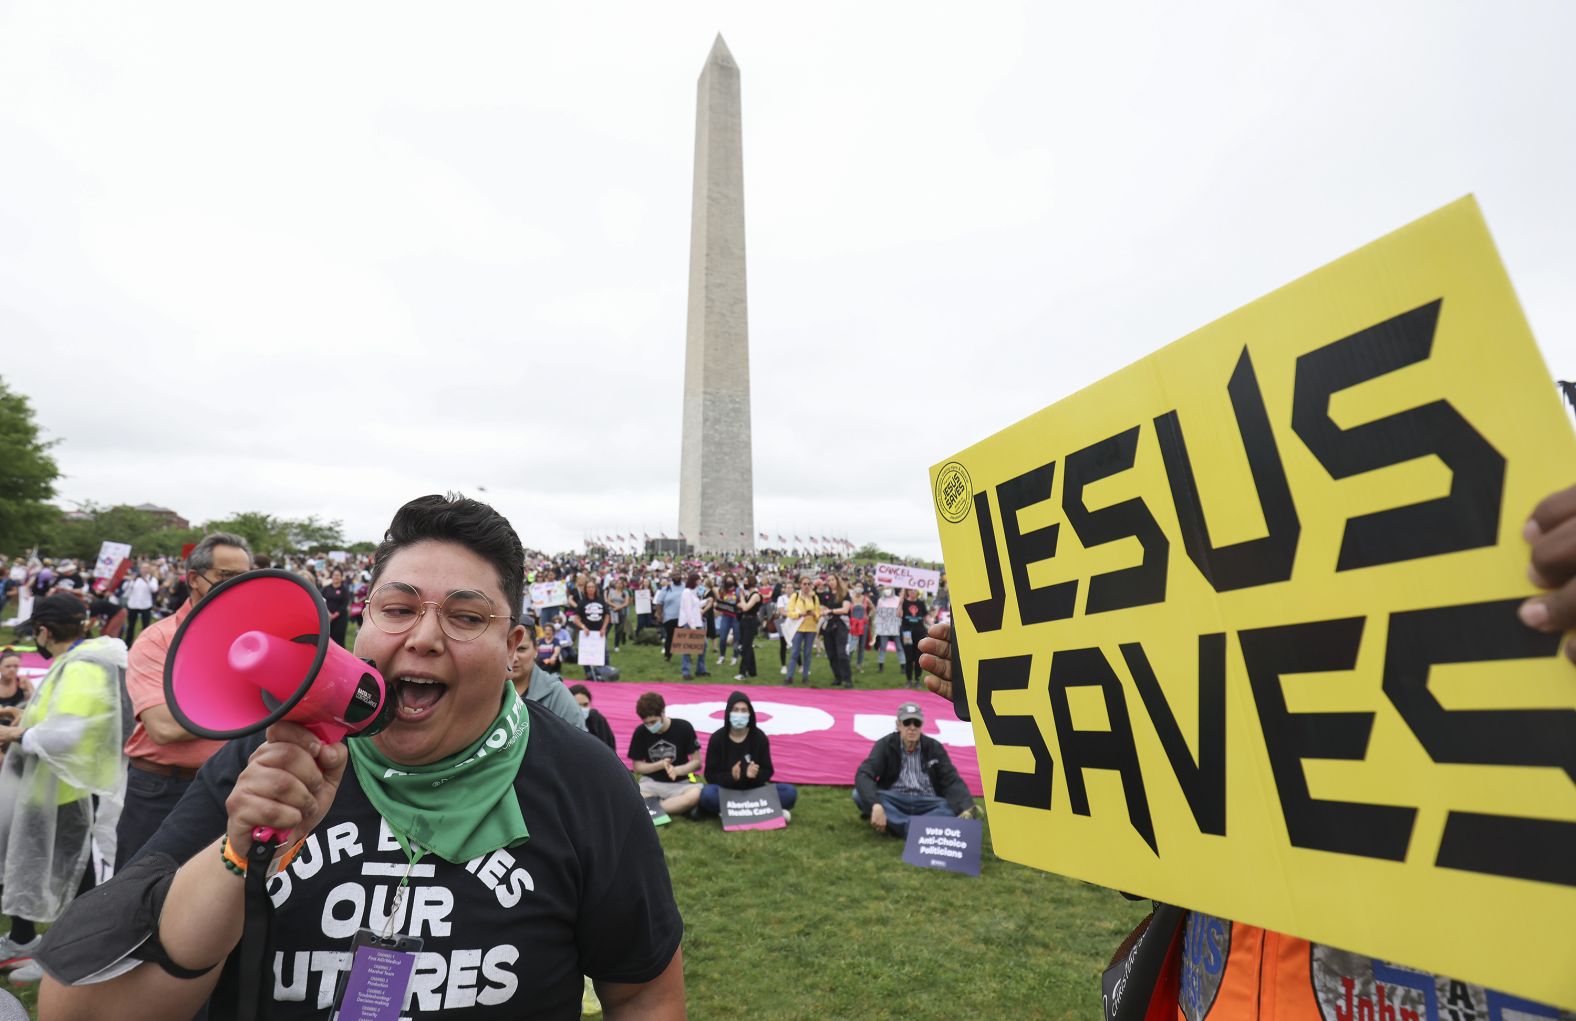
(379, 977)
(381, 966)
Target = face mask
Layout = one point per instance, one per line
(655, 728)
(43, 650)
(585, 712)
(738, 721)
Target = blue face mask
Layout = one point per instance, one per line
(738, 721)
(655, 728)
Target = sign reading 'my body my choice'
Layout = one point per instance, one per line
(1238, 623)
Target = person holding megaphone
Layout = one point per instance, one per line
(444, 857)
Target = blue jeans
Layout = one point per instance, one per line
(900, 806)
(803, 648)
(881, 643)
(726, 626)
(856, 648)
(684, 664)
(711, 797)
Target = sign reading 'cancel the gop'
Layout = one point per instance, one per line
(1239, 621)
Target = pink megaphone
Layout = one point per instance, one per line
(257, 651)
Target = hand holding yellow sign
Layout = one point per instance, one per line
(1239, 622)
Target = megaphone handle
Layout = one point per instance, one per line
(269, 835)
(327, 732)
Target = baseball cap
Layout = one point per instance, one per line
(910, 711)
(56, 609)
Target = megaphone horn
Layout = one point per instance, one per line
(256, 651)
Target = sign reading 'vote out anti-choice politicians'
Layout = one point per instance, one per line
(1238, 622)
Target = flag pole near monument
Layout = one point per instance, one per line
(716, 484)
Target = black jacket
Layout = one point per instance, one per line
(880, 769)
(599, 728)
(722, 752)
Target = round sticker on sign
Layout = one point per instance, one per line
(954, 492)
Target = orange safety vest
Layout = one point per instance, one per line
(1236, 972)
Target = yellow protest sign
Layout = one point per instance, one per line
(1238, 622)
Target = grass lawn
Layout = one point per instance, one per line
(822, 920)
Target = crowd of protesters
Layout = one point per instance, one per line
(802, 607)
(125, 777)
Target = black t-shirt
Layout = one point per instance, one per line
(507, 935)
(678, 743)
(592, 613)
(914, 613)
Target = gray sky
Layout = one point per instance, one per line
(318, 259)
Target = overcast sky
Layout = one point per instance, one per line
(321, 258)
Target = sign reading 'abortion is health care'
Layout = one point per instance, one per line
(1238, 623)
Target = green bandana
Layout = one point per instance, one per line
(459, 807)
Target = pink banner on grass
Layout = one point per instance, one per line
(818, 736)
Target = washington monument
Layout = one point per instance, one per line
(716, 485)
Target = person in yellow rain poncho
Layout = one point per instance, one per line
(63, 775)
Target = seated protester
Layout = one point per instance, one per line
(520, 869)
(908, 774)
(595, 723)
(664, 753)
(537, 685)
(547, 657)
(63, 776)
(739, 757)
(566, 641)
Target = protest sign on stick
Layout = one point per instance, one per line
(898, 576)
(1238, 622)
(109, 558)
(642, 601)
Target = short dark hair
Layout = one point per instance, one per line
(650, 704)
(10, 653)
(465, 522)
(580, 689)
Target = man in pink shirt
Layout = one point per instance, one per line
(163, 757)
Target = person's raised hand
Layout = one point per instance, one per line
(935, 658)
(736, 766)
(878, 819)
(753, 771)
(1551, 532)
(288, 784)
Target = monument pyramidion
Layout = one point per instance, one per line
(716, 483)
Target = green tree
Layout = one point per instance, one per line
(310, 535)
(263, 532)
(27, 475)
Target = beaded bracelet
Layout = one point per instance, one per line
(235, 863)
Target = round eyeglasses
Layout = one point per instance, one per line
(396, 607)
